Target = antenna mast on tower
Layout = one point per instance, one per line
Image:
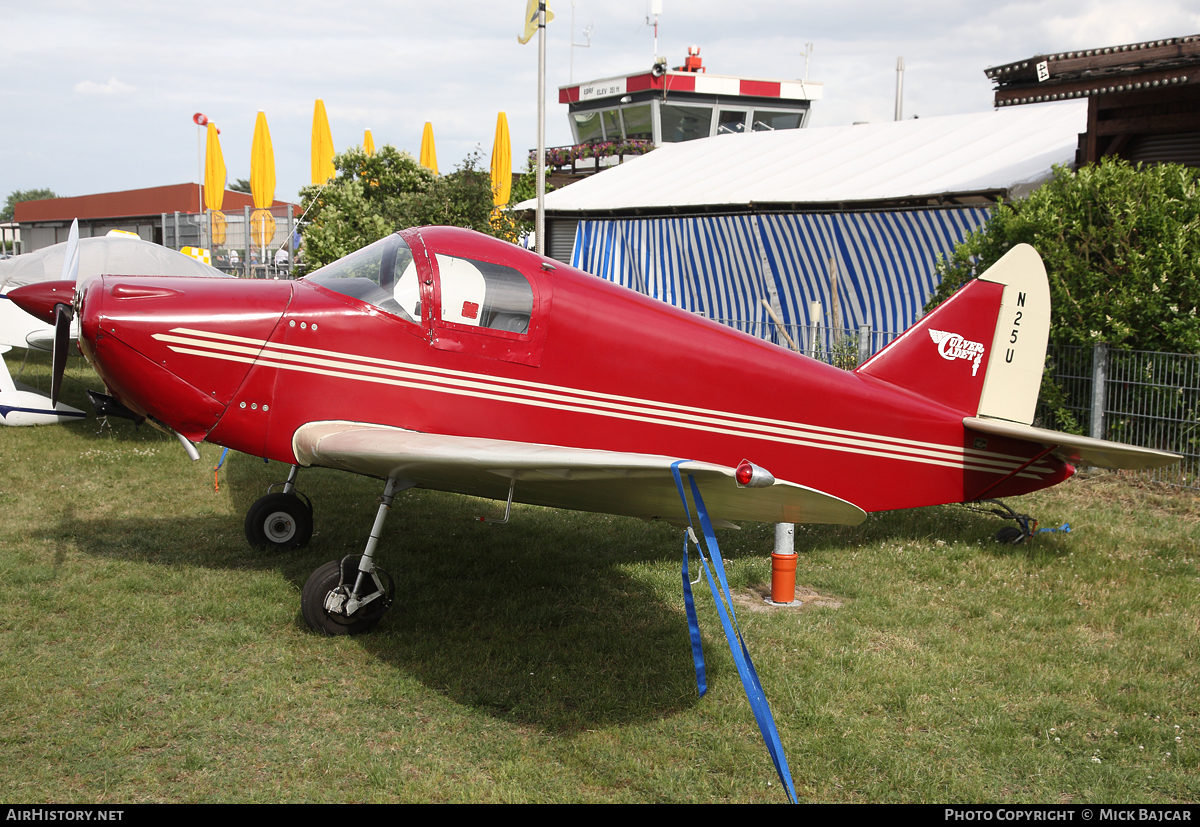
(655, 11)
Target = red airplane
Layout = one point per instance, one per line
(441, 358)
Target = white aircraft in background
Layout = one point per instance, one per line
(118, 253)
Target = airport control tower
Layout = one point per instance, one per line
(662, 105)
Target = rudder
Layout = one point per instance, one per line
(982, 350)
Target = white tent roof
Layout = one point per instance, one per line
(117, 255)
(1005, 149)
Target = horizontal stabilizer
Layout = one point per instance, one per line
(1078, 450)
(634, 485)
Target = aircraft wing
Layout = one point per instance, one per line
(635, 485)
(43, 338)
(1078, 450)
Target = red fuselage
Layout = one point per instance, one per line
(246, 363)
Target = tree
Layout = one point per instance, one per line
(17, 196)
(241, 185)
(371, 196)
(1121, 245)
(525, 186)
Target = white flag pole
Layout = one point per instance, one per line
(541, 127)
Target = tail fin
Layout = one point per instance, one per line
(981, 351)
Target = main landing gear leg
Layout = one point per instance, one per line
(280, 521)
(349, 596)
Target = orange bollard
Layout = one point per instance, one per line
(783, 578)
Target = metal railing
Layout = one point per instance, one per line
(845, 348)
(231, 239)
(587, 158)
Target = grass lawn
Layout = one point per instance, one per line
(150, 655)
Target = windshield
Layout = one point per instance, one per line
(382, 274)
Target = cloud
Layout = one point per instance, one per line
(113, 87)
(395, 64)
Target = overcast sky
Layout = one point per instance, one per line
(96, 97)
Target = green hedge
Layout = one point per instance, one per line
(1122, 250)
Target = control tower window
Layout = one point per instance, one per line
(685, 123)
(731, 121)
(587, 127)
(639, 125)
(767, 121)
(612, 124)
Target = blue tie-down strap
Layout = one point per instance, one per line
(723, 600)
(693, 623)
(1064, 528)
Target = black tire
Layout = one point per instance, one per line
(1010, 535)
(280, 522)
(325, 580)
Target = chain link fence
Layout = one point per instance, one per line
(1135, 396)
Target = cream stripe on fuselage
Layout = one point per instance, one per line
(229, 347)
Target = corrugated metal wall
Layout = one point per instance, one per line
(560, 238)
(1171, 148)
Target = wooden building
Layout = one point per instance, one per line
(1143, 98)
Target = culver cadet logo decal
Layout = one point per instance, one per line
(951, 346)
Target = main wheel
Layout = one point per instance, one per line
(327, 580)
(279, 521)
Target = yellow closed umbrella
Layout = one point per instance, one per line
(262, 164)
(262, 183)
(322, 145)
(214, 171)
(501, 163)
(428, 153)
(369, 142)
(214, 184)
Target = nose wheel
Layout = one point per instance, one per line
(280, 522)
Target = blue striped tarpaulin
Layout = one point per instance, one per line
(723, 266)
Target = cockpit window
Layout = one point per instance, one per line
(382, 274)
(482, 294)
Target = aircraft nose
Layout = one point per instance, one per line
(176, 349)
(116, 340)
(40, 299)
